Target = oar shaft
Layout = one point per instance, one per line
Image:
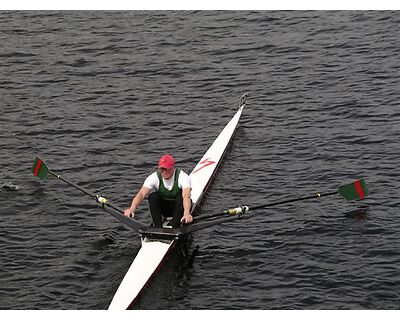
(118, 213)
(315, 196)
(270, 204)
(73, 184)
(208, 223)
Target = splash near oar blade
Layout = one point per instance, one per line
(39, 168)
(356, 190)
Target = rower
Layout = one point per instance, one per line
(168, 191)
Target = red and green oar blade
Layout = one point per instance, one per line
(354, 191)
(39, 168)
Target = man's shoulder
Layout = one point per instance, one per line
(151, 179)
(183, 173)
(152, 175)
(184, 179)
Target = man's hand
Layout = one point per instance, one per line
(187, 218)
(130, 213)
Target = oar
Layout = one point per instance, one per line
(41, 170)
(353, 191)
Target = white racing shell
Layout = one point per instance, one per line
(153, 252)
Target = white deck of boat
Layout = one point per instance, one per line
(147, 260)
(152, 253)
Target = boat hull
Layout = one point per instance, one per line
(147, 262)
(154, 252)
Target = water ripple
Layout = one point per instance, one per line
(100, 95)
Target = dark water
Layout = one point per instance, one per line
(101, 95)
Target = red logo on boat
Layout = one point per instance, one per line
(205, 163)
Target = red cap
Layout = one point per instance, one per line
(166, 161)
